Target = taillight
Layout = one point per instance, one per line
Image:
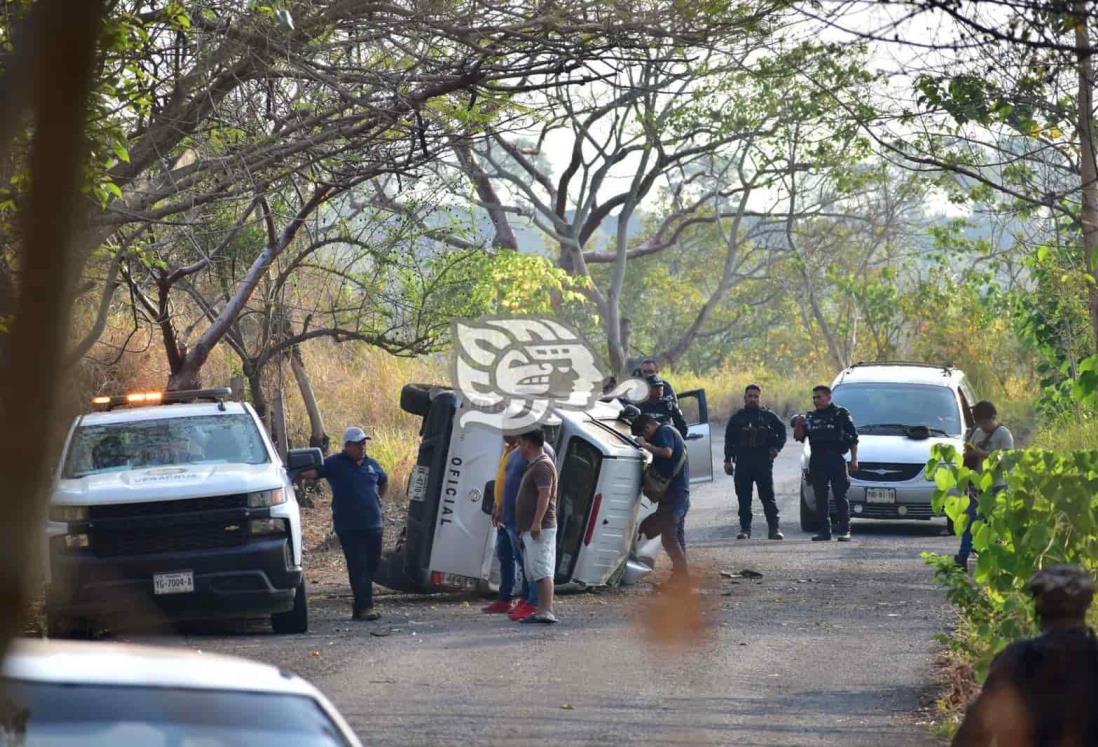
(594, 517)
(436, 578)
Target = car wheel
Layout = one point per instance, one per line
(295, 620)
(416, 399)
(809, 521)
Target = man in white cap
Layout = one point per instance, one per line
(358, 486)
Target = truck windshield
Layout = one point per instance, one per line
(887, 408)
(200, 439)
(36, 714)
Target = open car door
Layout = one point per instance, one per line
(699, 440)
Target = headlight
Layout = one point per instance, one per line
(265, 498)
(68, 513)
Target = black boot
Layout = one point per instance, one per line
(775, 533)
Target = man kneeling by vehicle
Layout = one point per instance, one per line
(536, 516)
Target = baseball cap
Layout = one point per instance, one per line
(354, 435)
(654, 380)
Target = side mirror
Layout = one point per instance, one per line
(299, 459)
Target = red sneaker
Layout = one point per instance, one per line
(522, 611)
(499, 606)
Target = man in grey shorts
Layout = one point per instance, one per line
(536, 517)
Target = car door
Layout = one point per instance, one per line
(699, 440)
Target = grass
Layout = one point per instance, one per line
(724, 389)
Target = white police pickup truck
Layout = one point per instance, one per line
(448, 541)
(169, 507)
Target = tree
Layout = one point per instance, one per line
(45, 83)
(693, 127)
(1005, 103)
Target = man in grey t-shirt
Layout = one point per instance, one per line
(536, 519)
(989, 435)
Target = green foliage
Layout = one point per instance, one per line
(511, 283)
(1046, 514)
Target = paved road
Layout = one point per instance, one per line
(832, 646)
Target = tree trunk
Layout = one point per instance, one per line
(54, 55)
(318, 437)
(1088, 167)
(254, 375)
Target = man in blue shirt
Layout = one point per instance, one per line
(669, 458)
(358, 486)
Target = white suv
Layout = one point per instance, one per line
(901, 410)
(174, 511)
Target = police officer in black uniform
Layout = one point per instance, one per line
(1043, 690)
(752, 439)
(661, 408)
(830, 431)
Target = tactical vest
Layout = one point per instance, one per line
(753, 434)
(825, 430)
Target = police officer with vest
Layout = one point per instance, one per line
(830, 431)
(661, 407)
(752, 439)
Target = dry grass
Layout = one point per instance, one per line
(724, 389)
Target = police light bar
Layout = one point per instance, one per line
(132, 399)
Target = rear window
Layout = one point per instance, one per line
(34, 714)
(199, 439)
(885, 408)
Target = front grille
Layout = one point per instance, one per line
(889, 511)
(113, 543)
(162, 508)
(887, 471)
(183, 529)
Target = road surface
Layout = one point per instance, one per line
(833, 645)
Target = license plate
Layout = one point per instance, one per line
(417, 486)
(880, 495)
(173, 583)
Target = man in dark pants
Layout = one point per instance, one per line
(658, 405)
(1044, 690)
(752, 439)
(831, 433)
(358, 486)
(669, 458)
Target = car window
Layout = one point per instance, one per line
(36, 714)
(886, 404)
(200, 439)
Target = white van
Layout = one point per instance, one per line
(449, 542)
(901, 411)
(169, 507)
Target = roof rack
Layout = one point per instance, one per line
(138, 399)
(945, 367)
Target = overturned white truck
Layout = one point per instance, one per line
(448, 541)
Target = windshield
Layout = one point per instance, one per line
(891, 407)
(36, 714)
(201, 439)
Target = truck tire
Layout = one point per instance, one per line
(390, 574)
(73, 628)
(416, 399)
(295, 620)
(809, 521)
